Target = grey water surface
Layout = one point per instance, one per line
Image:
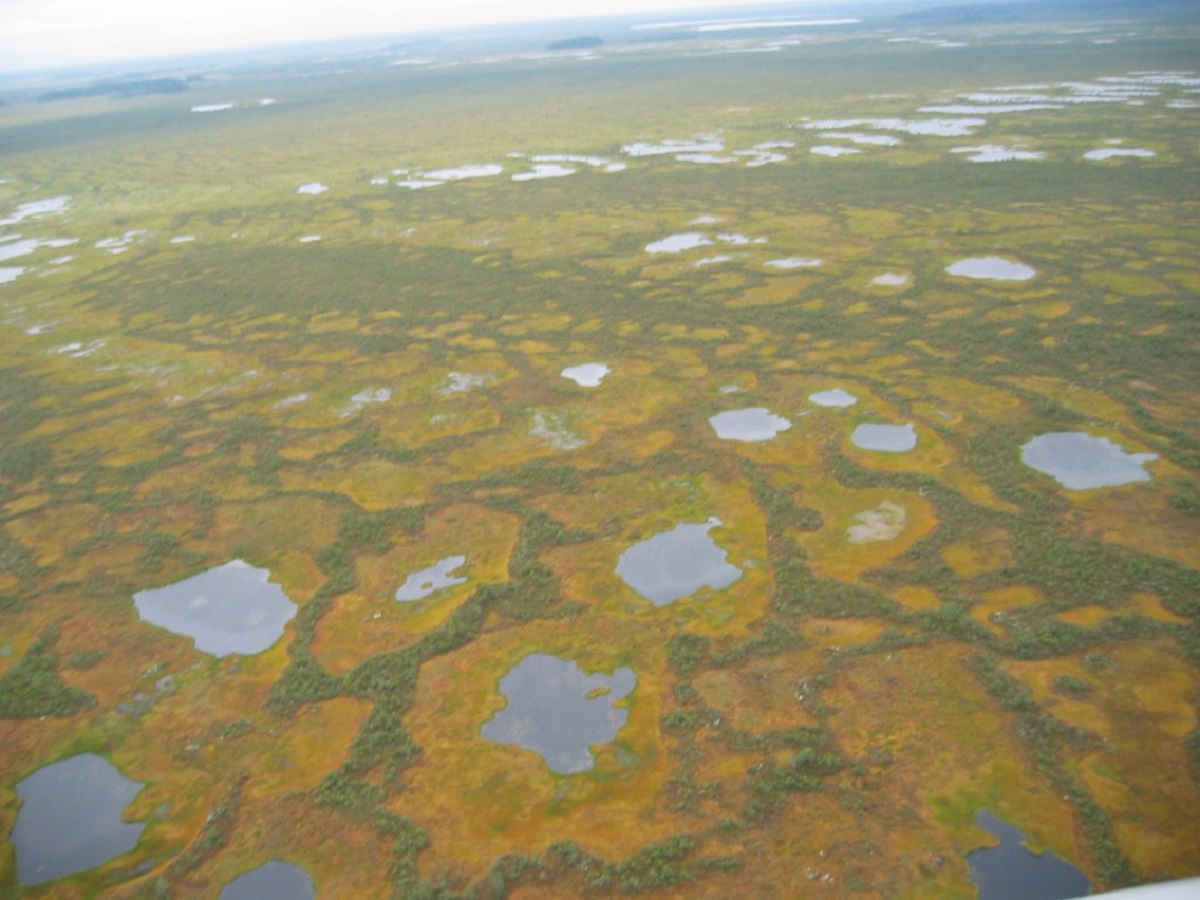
(1079, 462)
(753, 424)
(423, 583)
(558, 711)
(232, 608)
(885, 438)
(274, 880)
(676, 563)
(70, 818)
(1011, 872)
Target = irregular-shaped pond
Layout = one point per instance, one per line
(885, 438)
(587, 374)
(753, 424)
(274, 880)
(228, 609)
(70, 818)
(1011, 870)
(1080, 462)
(423, 583)
(558, 711)
(676, 563)
(992, 268)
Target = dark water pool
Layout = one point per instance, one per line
(1011, 872)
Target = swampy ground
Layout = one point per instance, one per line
(345, 386)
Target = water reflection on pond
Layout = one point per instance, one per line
(1011, 871)
(423, 583)
(676, 563)
(70, 818)
(991, 267)
(885, 438)
(558, 711)
(274, 880)
(228, 609)
(1079, 462)
(753, 424)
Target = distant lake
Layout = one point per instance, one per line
(1011, 872)
(558, 711)
(232, 608)
(70, 818)
(677, 563)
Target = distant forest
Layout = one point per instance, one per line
(131, 88)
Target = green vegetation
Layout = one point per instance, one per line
(31, 687)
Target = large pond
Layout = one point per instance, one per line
(1012, 871)
(753, 424)
(274, 880)
(992, 268)
(228, 609)
(423, 583)
(677, 563)
(1079, 462)
(70, 818)
(885, 438)
(558, 711)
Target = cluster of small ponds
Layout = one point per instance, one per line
(71, 816)
(960, 117)
(72, 820)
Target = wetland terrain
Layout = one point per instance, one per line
(755, 459)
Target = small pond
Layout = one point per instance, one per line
(885, 438)
(558, 711)
(753, 424)
(679, 242)
(423, 583)
(228, 609)
(792, 262)
(274, 880)
(70, 818)
(836, 398)
(1011, 871)
(587, 374)
(677, 563)
(992, 268)
(1080, 462)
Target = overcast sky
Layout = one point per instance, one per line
(38, 34)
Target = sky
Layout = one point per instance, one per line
(37, 34)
